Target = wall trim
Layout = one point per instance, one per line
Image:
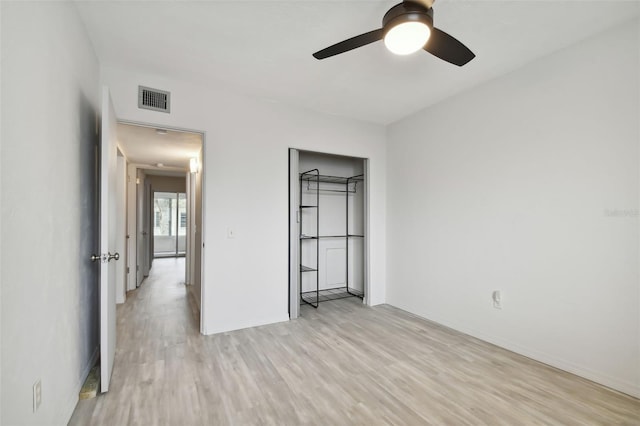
(280, 318)
(597, 377)
(70, 406)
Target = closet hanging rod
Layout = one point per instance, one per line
(331, 179)
(355, 188)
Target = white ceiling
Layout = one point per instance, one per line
(146, 147)
(263, 48)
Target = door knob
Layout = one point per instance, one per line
(115, 256)
(95, 257)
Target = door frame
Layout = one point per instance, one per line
(140, 234)
(121, 225)
(294, 252)
(132, 226)
(202, 170)
(175, 252)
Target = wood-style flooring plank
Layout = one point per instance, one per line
(342, 364)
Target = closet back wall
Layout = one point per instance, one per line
(245, 186)
(332, 212)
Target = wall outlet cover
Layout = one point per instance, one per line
(37, 395)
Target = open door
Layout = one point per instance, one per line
(141, 237)
(148, 230)
(108, 239)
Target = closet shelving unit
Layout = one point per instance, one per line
(313, 180)
(310, 176)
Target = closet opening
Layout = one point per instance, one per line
(328, 232)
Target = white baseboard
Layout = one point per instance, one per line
(280, 318)
(70, 406)
(614, 383)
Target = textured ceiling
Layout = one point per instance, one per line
(145, 146)
(263, 48)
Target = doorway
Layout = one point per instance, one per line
(165, 177)
(169, 224)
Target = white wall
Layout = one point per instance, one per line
(246, 189)
(49, 286)
(511, 186)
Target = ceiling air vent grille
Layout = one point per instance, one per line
(153, 99)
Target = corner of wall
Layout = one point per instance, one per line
(516, 199)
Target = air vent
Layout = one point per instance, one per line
(153, 99)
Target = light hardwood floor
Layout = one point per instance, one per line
(344, 364)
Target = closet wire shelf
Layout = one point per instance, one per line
(330, 179)
(318, 179)
(314, 297)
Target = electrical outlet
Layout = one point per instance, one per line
(37, 395)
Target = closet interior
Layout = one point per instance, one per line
(331, 227)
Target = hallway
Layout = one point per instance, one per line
(153, 374)
(343, 363)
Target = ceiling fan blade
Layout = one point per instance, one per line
(448, 48)
(350, 44)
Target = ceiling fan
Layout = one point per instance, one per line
(406, 28)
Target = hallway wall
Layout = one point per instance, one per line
(49, 209)
(167, 183)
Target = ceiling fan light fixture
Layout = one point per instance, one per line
(407, 37)
(406, 28)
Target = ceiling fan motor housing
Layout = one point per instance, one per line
(407, 12)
